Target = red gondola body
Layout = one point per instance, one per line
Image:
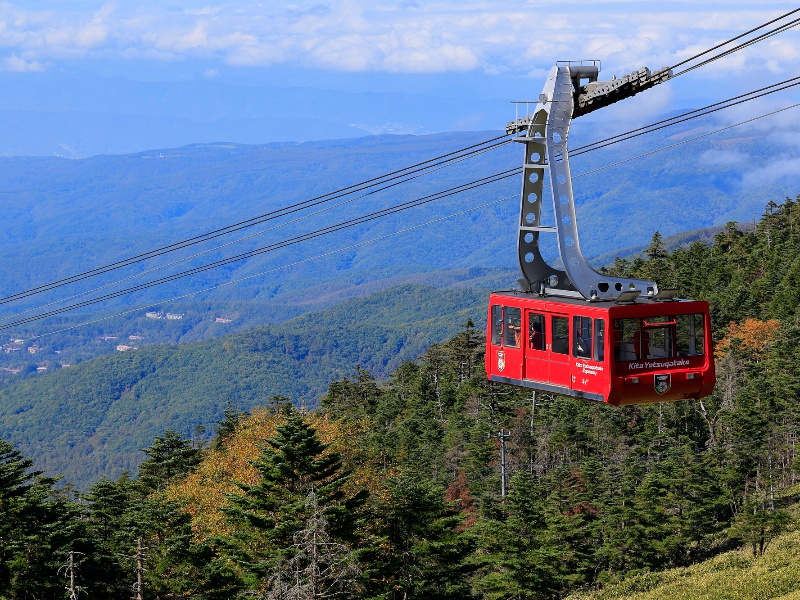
(647, 351)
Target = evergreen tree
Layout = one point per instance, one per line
(36, 529)
(354, 398)
(171, 457)
(114, 524)
(420, 551)
(227, 426)
(267, 515)
(518, 560)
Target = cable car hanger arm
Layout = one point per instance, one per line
(545, 139)
(593, 95)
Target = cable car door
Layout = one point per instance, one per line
(512, 343)
(537, 356)
(558, 347)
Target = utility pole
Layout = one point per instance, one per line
(502, 435)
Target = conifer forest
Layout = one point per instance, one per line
(394, 489)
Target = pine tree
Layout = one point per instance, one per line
(420, 550)
(171, 457)
(267, 515)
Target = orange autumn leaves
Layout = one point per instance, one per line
(752, 335)
(203, 494)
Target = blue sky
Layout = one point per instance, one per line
(381, 36)
(469, 50)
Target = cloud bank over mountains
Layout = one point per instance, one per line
(83, 77)
(391, 36)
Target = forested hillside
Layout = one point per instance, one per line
(392, 490)
(89, 420)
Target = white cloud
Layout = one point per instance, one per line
(15, 64)
(722, 158)
(419, 36)
(778, 171)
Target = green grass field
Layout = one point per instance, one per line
(735, 575)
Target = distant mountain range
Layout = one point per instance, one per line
(77, 115)
(62, 217)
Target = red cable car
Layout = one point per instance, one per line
(575, 331)
(650, 351)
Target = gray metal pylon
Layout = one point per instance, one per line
(546, 148)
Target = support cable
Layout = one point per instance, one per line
(647, 128)
(276, 246)
(370, 183)
(733, 39)
(741, 46)
(221, 246)
(276, 269)
(385, 212)
(625, 137)
(377, 180)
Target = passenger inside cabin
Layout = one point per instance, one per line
(537, 339)
(513, 318)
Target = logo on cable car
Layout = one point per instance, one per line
(662, 383)
(501, 360)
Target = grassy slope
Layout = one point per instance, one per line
(734, 575)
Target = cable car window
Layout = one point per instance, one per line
(560, 327)
(690, 338)
(513, 326)
(625, 332)
(582, 337)
(599, 340)
(497, 324)
(659, 332)
(536, 331)
(659, 337)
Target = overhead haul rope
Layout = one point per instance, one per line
(733, 39)
(700, 112)
(275, 269)
(686, 141)
(746, 44)
(439, 195)
(221, 246)
(427, 165)
(672, 120)
(276, 246)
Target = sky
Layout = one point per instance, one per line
(469, 50)
(380, 36)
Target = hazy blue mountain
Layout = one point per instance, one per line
(78, 115)
(63, 216)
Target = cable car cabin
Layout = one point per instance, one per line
(649, 351)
